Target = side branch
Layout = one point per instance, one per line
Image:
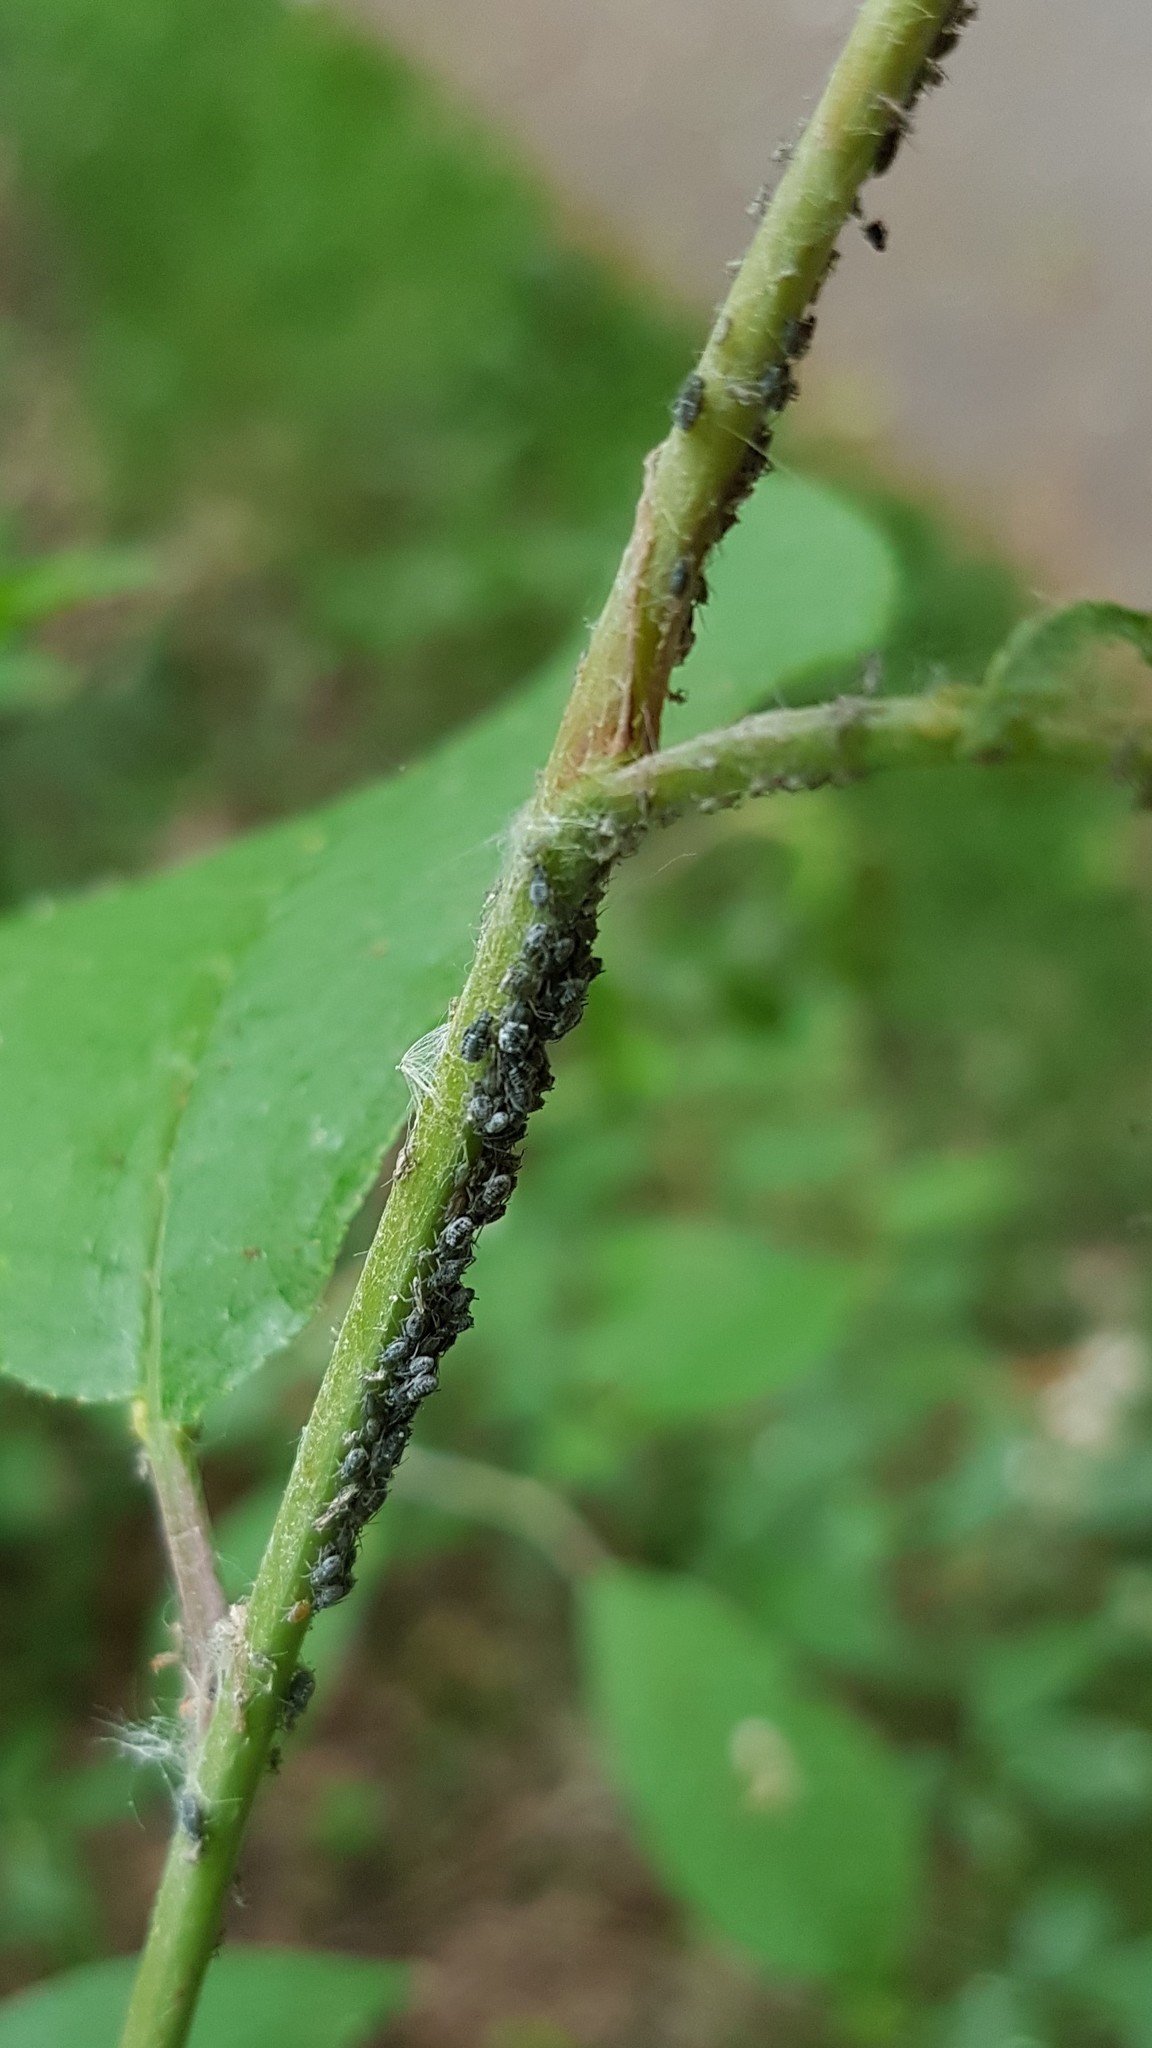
(853, 737)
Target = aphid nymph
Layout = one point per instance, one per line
(477, 1038)
(300, 1689)
(192, 1820)
(688, 403)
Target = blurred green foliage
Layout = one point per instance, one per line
(826, 1298)
(318, 336)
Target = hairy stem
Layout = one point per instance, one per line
(693, 487)
(696, 479)
(858, 736)
(184, 1521)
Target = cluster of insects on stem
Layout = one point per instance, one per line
(546, 987)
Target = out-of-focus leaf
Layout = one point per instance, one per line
(743, 655)
(698, 1317)
(775, 1815)
(1120, 1984)
(36, 591)
(1040, 648)
(993, 2012)
(253, 1998)
(198, 1074)
(1062, 1929)
(1086, 1770)
(950, 1193)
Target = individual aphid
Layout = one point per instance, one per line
(539, 892)
(537, 942)
(297, 1695)
(329, 1567)
(479, 1108)
(332, 1592)
(799, 336)
(513, 1037)
(192, 1821)
(518, 979)
(355, 1462)
(876, 233)
(495, 1194)
(395, 1352)
(477, 1038)
(337, 1508)
(777, 388)
(457, 1235)
(758, 206)
(889, 145)
(688, 403)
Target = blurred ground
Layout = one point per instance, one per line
(1000, 346)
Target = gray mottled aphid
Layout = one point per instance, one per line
(688, 403)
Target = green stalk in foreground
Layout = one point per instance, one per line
(694, 485)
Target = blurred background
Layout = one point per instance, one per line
(330, 346)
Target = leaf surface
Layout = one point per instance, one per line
(198, 1073)
(774, 1814)
(253, 1998)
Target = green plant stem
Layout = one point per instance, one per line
(854, 737)
(691, 487)
(184, 1520)
(694, 478)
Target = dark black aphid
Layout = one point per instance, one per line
(477, 1038)
(876, 232)
(300, 1689)
(799, 336)
(688, 403)
(888, 148)
(192, 1820)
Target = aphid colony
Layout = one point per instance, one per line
(930, 74)
(546, 988)
(776, 387)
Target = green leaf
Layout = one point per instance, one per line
(198, 1073)
(1089, 1771)
(699, 1317)
(747, 646)
(1048, 654)
(778, 1817)
(1121, 1984)
(35, 591)
(253, 1998)
(993, 2012)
